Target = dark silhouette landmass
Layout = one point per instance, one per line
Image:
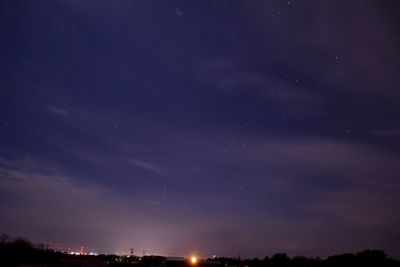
(22, 253)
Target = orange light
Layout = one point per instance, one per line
(193, 260)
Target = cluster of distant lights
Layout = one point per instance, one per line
(85, 254)
(80, 253)
(193, 259)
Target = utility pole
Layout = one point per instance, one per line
(132, 250)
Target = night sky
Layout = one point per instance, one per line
(210, 127)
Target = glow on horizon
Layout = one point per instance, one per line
(193, 260)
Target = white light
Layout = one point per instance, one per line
(193, 260)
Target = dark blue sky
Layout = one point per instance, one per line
(208, 127)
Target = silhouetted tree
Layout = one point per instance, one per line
(371, 258)
(4, 238)
(347, 259)
(17, 252)
(280, 259)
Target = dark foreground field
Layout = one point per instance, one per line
(21, 253)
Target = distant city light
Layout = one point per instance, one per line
(193, 259)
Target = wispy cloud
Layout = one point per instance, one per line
(58, 110)
(55, 204)
(144, 165)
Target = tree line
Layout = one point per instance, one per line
(20, 252)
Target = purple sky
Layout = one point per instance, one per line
(208, 127)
